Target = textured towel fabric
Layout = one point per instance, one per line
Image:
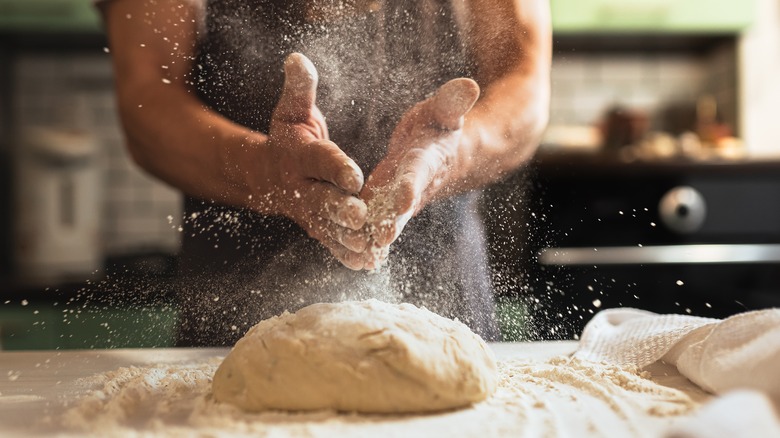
(742, 351)
(737, 414)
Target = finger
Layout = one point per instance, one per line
(385, 233)
(390, 211)
(343, 209)
(324, 161)
(379, 179)
(356, 241)
(389, 229)
(299, 91)
(347, 258)
(320, 225)
(451, 102)
(394, 202)
(376, 257)
(355, 260)
(353, 240)
(381, 201)
(382, 230)
(416, 173)
(326, 232)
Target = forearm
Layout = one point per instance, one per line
(169, 131)
(512, 43)
(501, 132)
(174, 137)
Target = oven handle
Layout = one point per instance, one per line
(662, 254)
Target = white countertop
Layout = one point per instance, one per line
(37, 387)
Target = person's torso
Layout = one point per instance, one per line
(375, 61)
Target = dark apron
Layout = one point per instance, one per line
(239, 267)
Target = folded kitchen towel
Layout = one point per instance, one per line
(736, 414)
(742, 351)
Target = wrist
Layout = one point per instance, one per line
(245, 168)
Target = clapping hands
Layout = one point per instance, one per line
(312, 181)
(358, 222)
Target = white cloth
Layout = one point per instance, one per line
(738, 414)
(742, 351)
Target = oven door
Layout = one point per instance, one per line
(702, 239)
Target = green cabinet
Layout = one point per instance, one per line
(652, 16)
(44, 326)
(569, 16)
(49, 16)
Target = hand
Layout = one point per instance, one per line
(312, 181)
(421, 152)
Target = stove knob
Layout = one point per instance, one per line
(683, 209)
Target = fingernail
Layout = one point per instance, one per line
(460, 93)
(386, 234)
(305, 75)
(454, 100)
(351, 179)
(347, 180)
(353, 261)
(355, 240)
(354, 213)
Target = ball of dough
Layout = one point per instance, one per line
(363, 356)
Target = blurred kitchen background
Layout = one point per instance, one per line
(663, 134)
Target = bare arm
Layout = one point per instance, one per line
(174, 136)
(512, 44)
(169, 132)
(455, 141)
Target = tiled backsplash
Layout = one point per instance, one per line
(586, 85)
(759, 58)
(67, 91)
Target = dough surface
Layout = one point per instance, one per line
(363, 356)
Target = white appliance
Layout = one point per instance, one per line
(57, 218)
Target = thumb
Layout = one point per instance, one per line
(451, 102)
(300, 89)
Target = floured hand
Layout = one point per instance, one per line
(420, 154)
(313, 181)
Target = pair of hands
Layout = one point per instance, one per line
(314, 183)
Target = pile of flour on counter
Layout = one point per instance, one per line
(556, 397)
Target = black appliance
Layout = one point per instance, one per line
(672, 236)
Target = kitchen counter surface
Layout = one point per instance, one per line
(589, 163)
(36, 388)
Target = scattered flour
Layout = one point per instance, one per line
(554, 398)
(141, 398)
